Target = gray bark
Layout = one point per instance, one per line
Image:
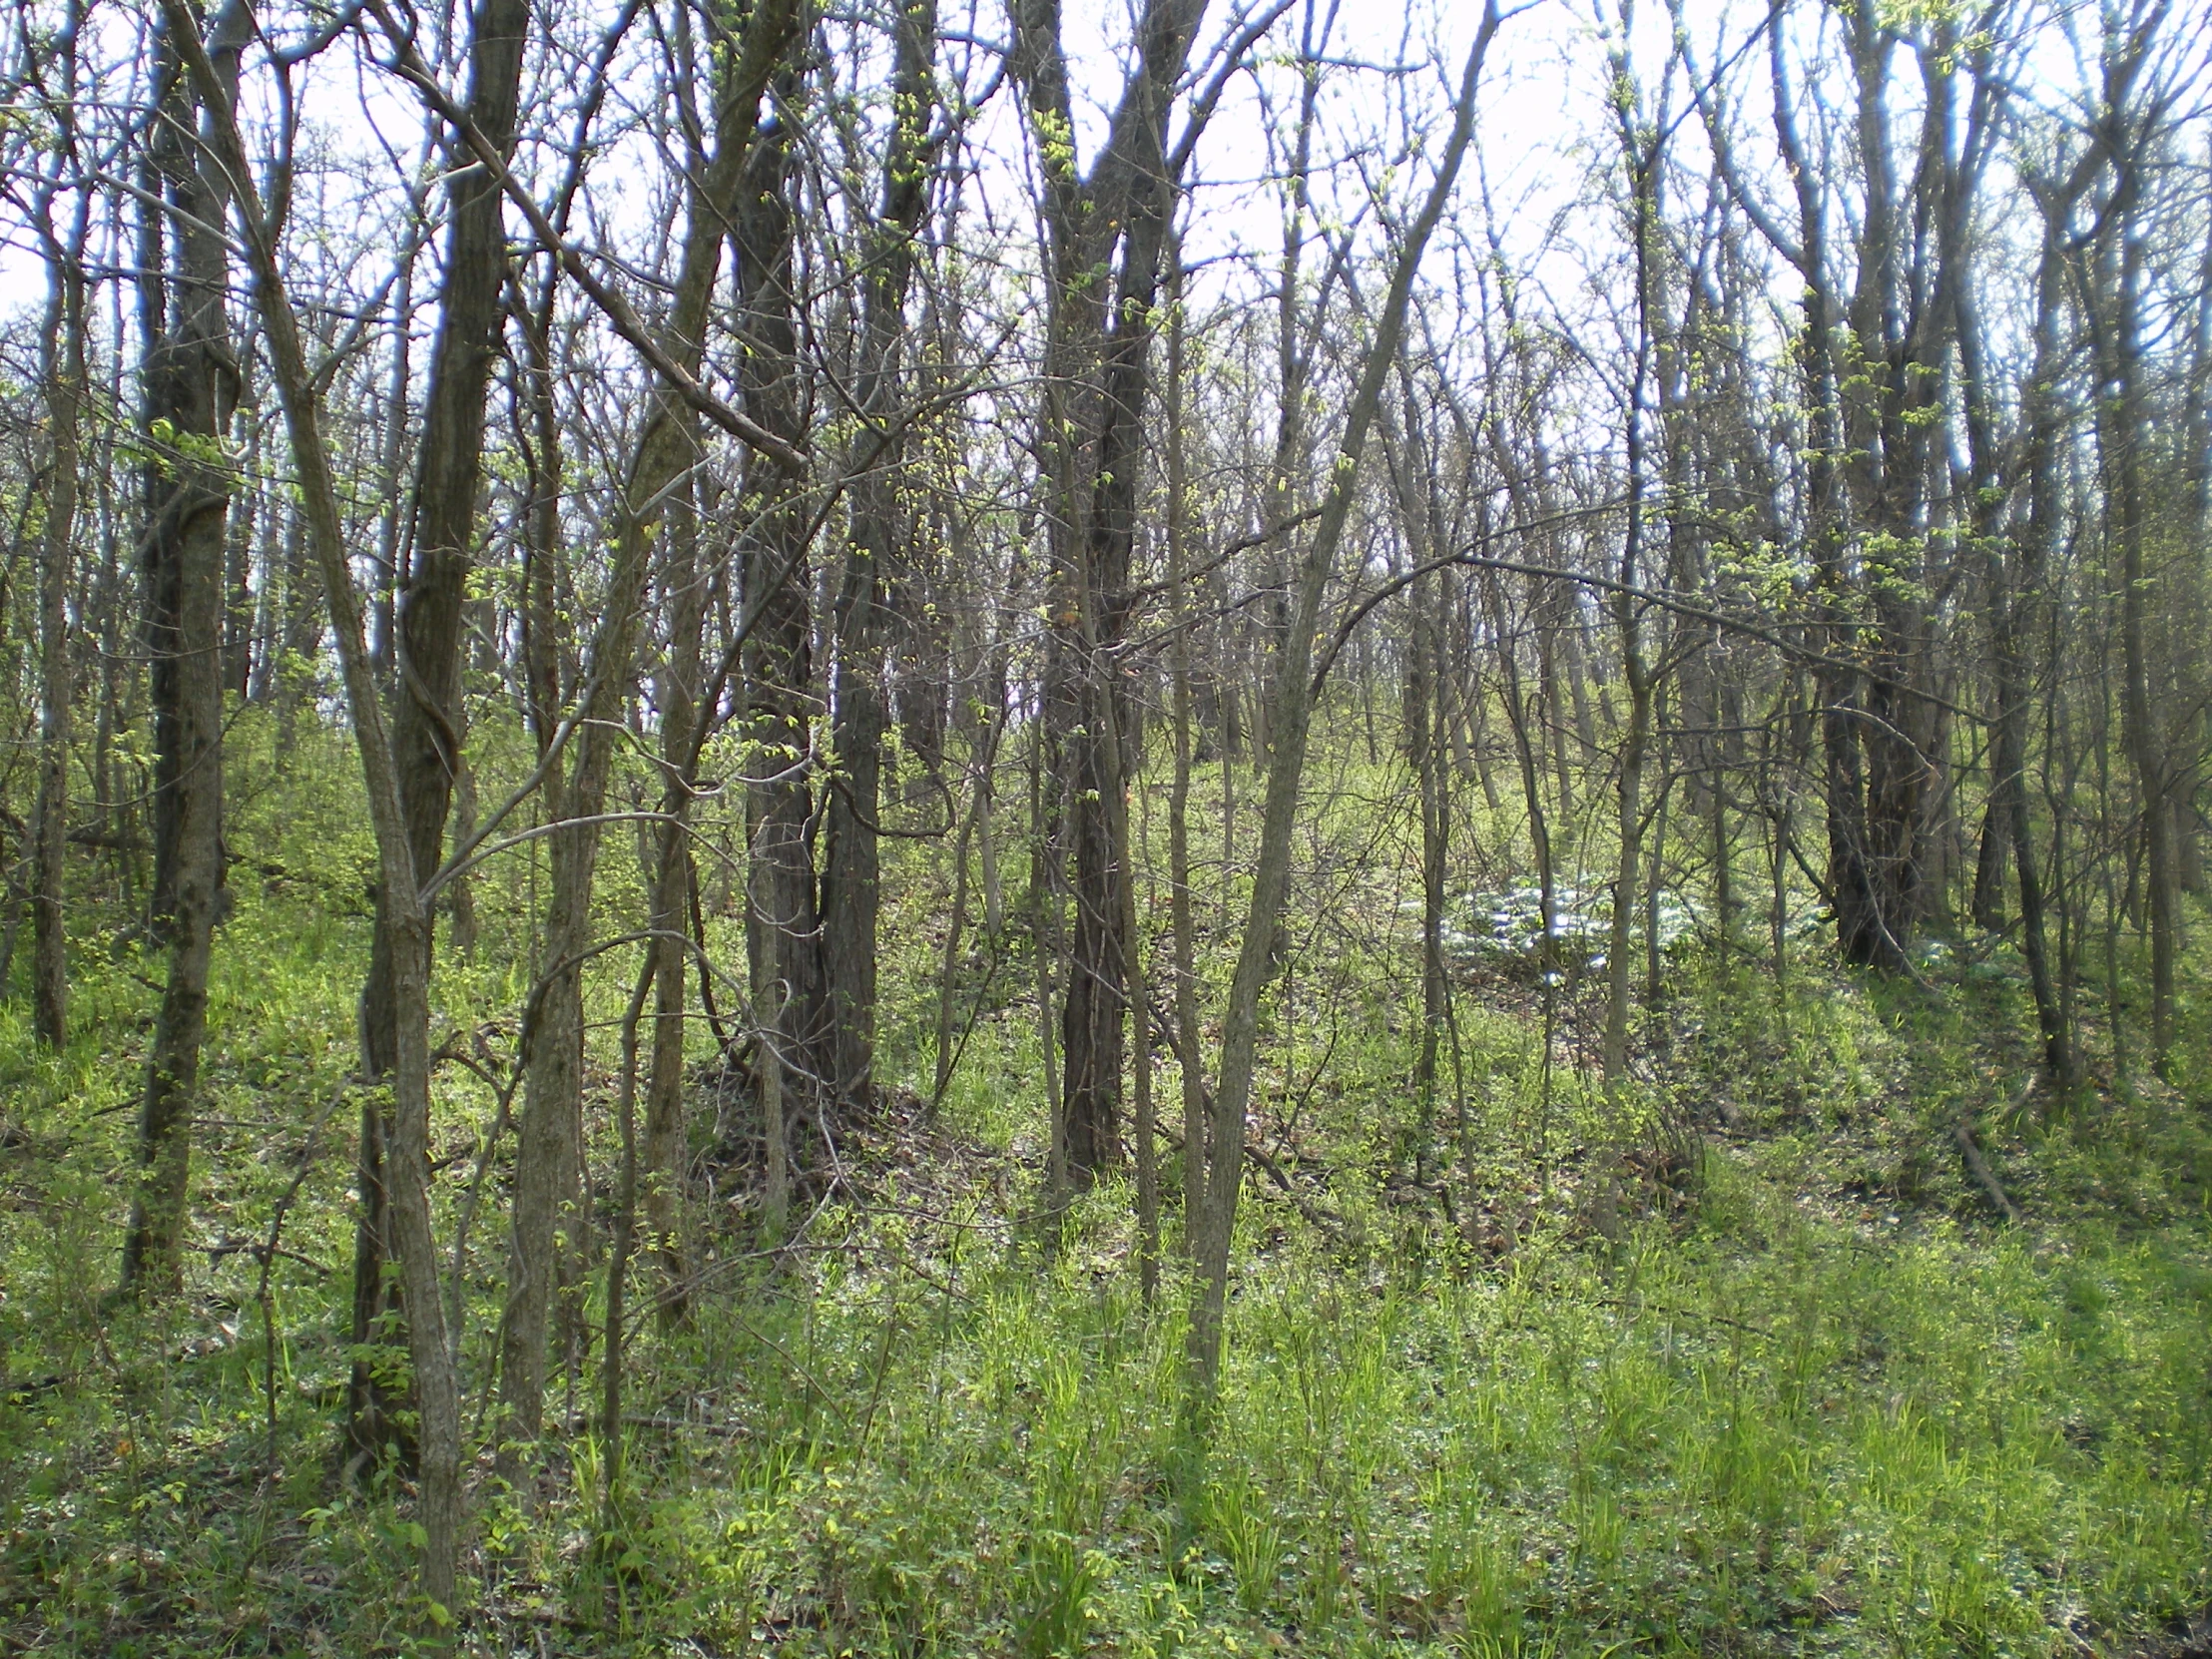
(1293, 704)
(192, 384)
(438, 1504)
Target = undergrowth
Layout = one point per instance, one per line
(1737, 1362)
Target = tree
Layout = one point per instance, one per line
(1293, 702)
(427, 722)
(191, 376)
(548, 1160)
(1106, 233)
(407, 1148)
(62, 222)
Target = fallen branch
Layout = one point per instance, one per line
(1978, 1167)
(1267, 1165)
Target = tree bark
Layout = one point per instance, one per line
(407, 1165)
(66, 387)
(427, 716)
(549, 1152)
(859, 707)
(192, 384)
(1191, 1067)
(2122, 429)
(1099, 333)
(782, 918)
(1293, 704)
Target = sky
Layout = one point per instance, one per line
(1542, 85)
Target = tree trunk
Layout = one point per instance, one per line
(860, 709)
(1098, 342)
(783, 922)
(549, 1154)
(425, 639)
(429, 719)
(192, 383)
(1642, 161)
(66, 388)
(677, 693)
(2122, 427)
(407, 1163)
(1293, 704)
(1191, 1067)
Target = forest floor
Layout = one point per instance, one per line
(1794, 1388)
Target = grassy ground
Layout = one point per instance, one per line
(1805, 1396)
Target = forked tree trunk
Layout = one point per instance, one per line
(549, 1154)
(859, 707)
(1106, 235)
(439, 1505)
(428, 715)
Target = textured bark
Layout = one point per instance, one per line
(2121, 437)
(2128, 134)
(438, 1504)
(1413, 476)
(1179, 795)
(676, 696)
(65, 387)
(1106, 235)
(548, 1150)
(859, 709)
(549, 1154)
(548, 1158)
(783, 922)
(2017, 563)
(190, 377)
(1641, 161)
(1851, 411)
(427, 718)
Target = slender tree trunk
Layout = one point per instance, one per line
(548, 1162)
(1642, 162)
(426, 638)
(1293, 704)
(1146, 1149)
(66, 388)
(1180, 622)
(949, 969)
(860, 709)
(192, 380)
(2016, 595)
(438, 1504)
(429, 719)
(684, 590)
(615, 1309)
(2122, 426)
(1046, 927)
(1426, 726)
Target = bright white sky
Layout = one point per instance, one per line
(1542, 92)
(1544, 126)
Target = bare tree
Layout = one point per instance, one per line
(192, 384)
(1293, 702)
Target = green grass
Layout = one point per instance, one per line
(1811, 1399)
